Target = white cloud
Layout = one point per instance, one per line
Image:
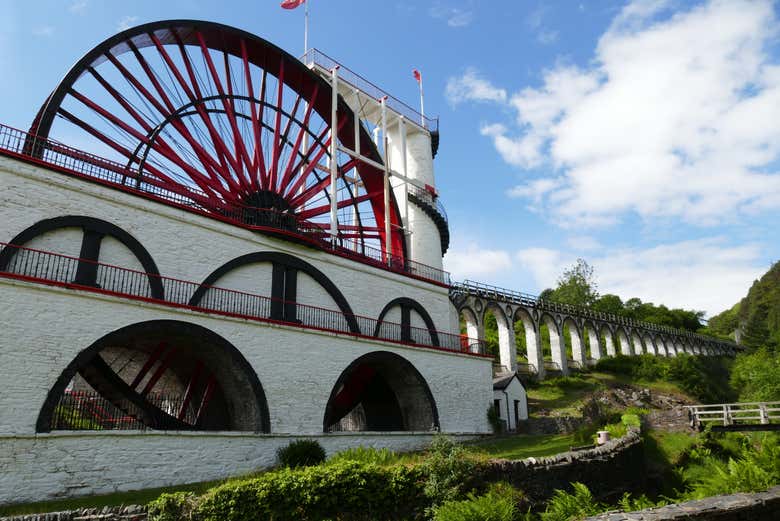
(677, 116)
(472, 87)
(470, 261)
(44, 30)
(455, 16)
(78, 6)
(704, 274)
(126, 23)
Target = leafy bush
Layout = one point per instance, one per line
(500, 503)
(705, 378)
(362, 454)
(566, 506)
(757, 376)
(301, 453)
(449, 469)
(346, 490)
(629, 503)
(171, 507)
(756, 468)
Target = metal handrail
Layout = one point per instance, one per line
(56, 269)
(527, 299)
(317, 57)
(22, 145)
(430, 199)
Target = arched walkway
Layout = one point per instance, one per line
(381, 391)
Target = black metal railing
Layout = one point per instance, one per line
(470, 287)
(89, 410)
(23, 145)
(319, 58)
(430, 199)
(63, 270)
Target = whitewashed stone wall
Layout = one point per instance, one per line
(189, 246)
(44, 328)
(73, 464)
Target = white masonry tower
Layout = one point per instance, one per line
(407, 141)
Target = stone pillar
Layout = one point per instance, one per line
(557, 346)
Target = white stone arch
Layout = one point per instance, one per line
(557, 348)
(470, 318)
(594, 346)
(623, 341)
(647, 339)
(636, 343)
(507, 353)
(532, 340)
(609, 339)
(576, 339)
(660, 346)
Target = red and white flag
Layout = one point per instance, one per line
(417, 75)
(292, 4)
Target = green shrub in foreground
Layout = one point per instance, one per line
(449, 469)
(565, 506)
(501, 503)
(301, 453)
(171, 507)
(363, 454)
(343, 490)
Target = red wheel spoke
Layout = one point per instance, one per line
(204, 157)
(283, 184)
(197, 178)
(190, 390)
(216, 138)
(325, 208)
(275, 148)
(253, 109)
(317, 188)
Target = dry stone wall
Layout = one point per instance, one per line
(607, 470)
(764, 506)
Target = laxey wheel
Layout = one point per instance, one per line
(226, 122)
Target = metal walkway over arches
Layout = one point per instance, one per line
(474, 300)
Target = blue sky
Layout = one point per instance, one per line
(643, 136)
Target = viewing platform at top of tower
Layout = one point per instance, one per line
(366, 96)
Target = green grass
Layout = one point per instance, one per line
(669, 445)
(522, 446)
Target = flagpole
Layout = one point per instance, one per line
(306, 27)
(422, 104)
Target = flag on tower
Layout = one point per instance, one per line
(417, 75)
(292, 4)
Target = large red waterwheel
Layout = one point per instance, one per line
(226, 122)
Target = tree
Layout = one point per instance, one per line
(577, 285)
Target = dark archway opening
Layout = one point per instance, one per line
(160, 375)
(381, 391)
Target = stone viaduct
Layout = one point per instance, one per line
(592, 334)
